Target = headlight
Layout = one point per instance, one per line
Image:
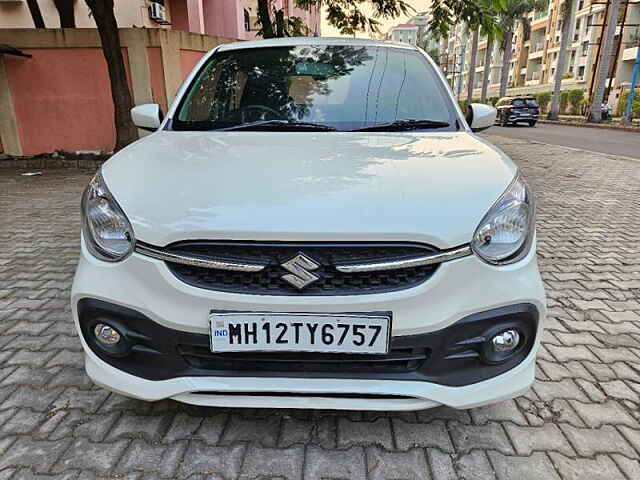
(505, 233)
(107, 232)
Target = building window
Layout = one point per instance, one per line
(585, 48)
(580, 4)
(581, 72)
(247, 21)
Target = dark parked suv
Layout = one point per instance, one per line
(517, 109)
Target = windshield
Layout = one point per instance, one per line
(340, 87)
(528, 102)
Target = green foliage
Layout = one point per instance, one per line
(543, 100)
(463, 105)
(273, 23)
(434, 53)
(516, 10)
(493, 100)
(480, 14)
(348, 17)
(575, 98)
(567, 75)
(564, 101)
(635, 106)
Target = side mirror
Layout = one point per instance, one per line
(480, 116)
(147, 116)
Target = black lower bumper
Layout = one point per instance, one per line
(454, 356)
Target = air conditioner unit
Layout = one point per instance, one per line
(157, 13)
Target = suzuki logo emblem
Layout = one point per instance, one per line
(299, 267)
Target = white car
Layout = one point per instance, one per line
(313, 224)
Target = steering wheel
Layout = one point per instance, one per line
(262, 108)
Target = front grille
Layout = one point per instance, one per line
(269, 280)
(398, 360)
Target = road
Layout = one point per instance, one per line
(614, 142)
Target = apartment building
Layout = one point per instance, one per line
(535, 50)
(404, 33)
(414, 32)
(225, 18)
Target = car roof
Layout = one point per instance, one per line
(518, 97)
(298, 41)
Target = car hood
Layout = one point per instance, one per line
(426, 187)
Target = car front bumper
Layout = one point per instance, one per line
(458, 290)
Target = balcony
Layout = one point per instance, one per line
(536, 54)
(629, 54)
(533, 79)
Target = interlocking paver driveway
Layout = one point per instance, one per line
(580, 420)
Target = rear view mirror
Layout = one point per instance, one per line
(147, 116)
(480, 116)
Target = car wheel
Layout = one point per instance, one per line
(532, 124)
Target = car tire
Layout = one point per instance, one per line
(532, 124)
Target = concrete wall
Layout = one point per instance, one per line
(60, 98)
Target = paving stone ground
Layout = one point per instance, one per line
(581, 419)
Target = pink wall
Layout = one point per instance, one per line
(188, 60)
(223, 18)
(59, 111)
(179, 15)
(157, 77)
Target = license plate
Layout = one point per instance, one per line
(300, 332)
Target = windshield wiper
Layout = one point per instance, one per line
(400, 125)
(280, 125)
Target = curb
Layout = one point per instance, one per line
(52, 161)
(602, 126)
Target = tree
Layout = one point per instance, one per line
(471, 77)
(348, 17)
(66, 13)
(486, 74)
(36, 14)
(567, 21)
(507, 45)
(264, 19)
(102, 11)
(515, 11)
(605, 61)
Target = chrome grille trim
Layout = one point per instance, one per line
(420, 261)
(199, 262)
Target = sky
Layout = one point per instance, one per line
(328, 31)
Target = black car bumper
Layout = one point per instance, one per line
(454, 356)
